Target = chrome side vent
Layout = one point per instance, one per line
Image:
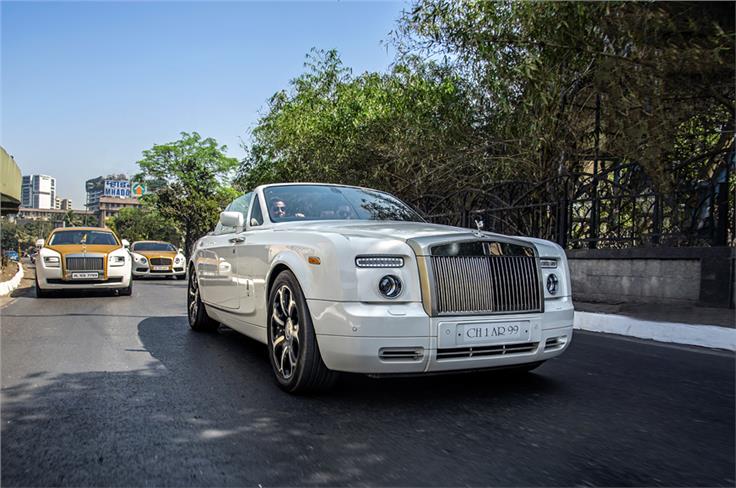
(401, 353)
(555, 343)
(484, 351)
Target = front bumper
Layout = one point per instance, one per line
(53, 279)
(402, 339)
(140, 271)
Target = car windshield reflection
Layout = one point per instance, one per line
(323, 202)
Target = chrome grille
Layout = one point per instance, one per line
(85, 263)
(161, 261)
(486, 284)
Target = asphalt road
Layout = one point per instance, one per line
(108, 390)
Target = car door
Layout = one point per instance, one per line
(219, 283)
(252, 261)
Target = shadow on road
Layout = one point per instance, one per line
(205, 411)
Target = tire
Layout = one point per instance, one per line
(198, 318)
(127, 291)
(292, 344)
(41, 293)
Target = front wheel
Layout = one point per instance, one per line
(128, 290)
(293, 351)
(40, 292)
(198, 318)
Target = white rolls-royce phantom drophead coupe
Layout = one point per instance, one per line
(345, 279)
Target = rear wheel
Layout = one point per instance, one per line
(293, 351)
(198, 318)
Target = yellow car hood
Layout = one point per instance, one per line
(157, 254)
(81, 249)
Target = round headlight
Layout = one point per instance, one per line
(552, 284)
(390, 286)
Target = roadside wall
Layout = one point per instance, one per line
(688, 276)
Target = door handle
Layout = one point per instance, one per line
(237, 239)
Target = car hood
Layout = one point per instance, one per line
(373, 228)
(81, 249)
(157, 254)
(417, 234)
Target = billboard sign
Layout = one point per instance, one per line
(117, 188)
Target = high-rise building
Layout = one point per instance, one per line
(63, 203)
(106, 195)
(38, 191)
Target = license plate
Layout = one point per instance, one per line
(85, 276)
(160, 268)
(496, 332)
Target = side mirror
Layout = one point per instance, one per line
(231, 219)
(181, 251)
(40, 243)
(254, 223)
(126, 243)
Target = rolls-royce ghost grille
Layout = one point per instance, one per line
(161, 261)
(84, 263)
(490, 284)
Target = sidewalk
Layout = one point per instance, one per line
(690, 325)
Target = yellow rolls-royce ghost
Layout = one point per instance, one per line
(82, 258)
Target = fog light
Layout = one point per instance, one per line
(552, 284)
(390, 286)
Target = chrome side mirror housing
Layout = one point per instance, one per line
(231, 219)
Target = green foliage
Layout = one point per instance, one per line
(23, 233)
(191, 178)
(664, 72)
(143, 223)
(494, 105)
(409, 131)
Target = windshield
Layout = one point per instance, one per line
(321, 202)
(153, 246)
(88, 237)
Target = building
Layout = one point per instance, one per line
(38, 191)
(54, 215)
(10, 183)
(109, 206)
(106, 195)
(63, 203)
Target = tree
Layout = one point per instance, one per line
(664, 73)
(191, 177)
(410, 131)
(23, 233)
(144, 223)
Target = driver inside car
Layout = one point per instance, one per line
(279, 210)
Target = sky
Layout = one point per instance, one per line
(87, 86)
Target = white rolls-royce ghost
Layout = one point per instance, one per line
(338, 278)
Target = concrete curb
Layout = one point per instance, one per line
(7, 286)
(693, 335)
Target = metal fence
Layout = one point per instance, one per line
(612, 208)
